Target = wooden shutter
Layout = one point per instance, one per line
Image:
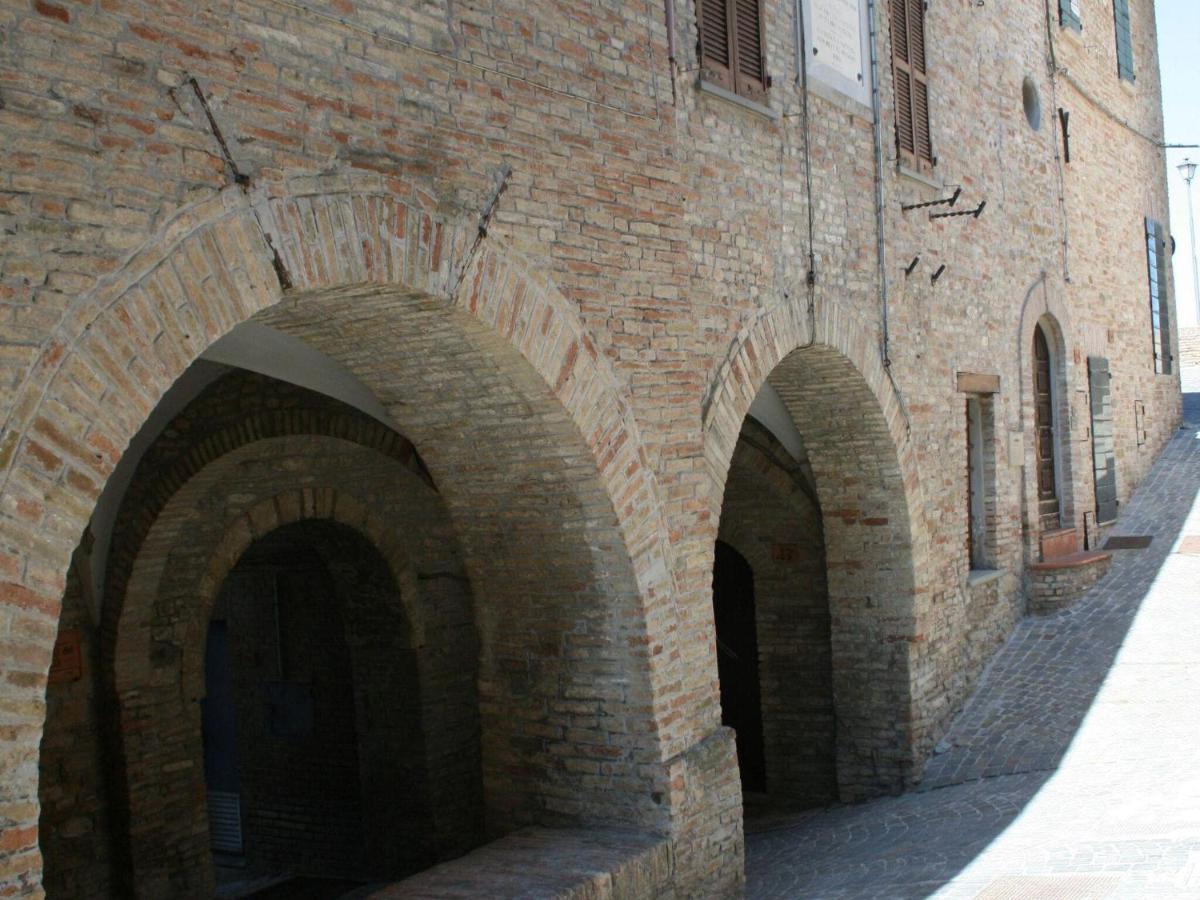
(1160, 314)
(733, 46)
(1104, 460)
(716, 43)
(750, 46)
(1124, 39)
(912, 87)
(1068, 14)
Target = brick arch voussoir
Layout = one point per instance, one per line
(135, 525)
(125, 630)
(762, 346)
(381, 234)
(306, 504)
(1042, 306)
(388, 236)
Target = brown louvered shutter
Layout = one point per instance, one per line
(733, 46)
(749, 49)
(716, 43)
(912, 88)
(902, 76)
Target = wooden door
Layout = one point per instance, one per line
(1043, 402)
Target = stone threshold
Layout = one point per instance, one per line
(574, 864)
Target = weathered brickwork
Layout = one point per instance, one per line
(771, 518)
(1058, 584)
(564, 273)
(75, 824)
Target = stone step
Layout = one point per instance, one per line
(1058, 583)
(571, 864)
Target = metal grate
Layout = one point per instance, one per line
(1128, 542)
(225, 821)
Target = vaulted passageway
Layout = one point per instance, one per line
(460, 456)
(814, 540)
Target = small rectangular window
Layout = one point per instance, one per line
(1124, 39)
(913, 142)
(1160, 315)
(1068, 14)
(981, 500)
(733, 46)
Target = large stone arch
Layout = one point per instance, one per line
(346, 261)
(829, 375)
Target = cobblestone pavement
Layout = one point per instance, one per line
(1072, 772)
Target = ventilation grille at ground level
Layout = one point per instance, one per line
(1128, 542)
(225, 821)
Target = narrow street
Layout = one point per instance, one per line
(1073, 770)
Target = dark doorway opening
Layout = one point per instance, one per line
(279, 726)
(1043, 401)
(220, 744)
(737, 661)
(282, 732)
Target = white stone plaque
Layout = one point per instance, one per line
(837, 36)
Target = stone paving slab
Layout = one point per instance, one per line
(1073, 770)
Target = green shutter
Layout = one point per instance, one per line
(1124, 39)
(1068, 14)
(1104, 458)
(1160, 309)
(1164, 306)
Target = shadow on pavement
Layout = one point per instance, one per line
(1003, 748)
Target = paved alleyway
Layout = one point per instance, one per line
(1075, 769)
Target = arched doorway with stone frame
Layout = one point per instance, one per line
(1050, 518)
(464, 352)
(803, 409)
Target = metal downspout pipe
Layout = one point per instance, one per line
(880, 247)
(876, 128)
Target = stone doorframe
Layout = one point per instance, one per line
(1043, 307)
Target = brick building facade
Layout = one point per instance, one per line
(495, 328)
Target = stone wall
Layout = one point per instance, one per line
(566, 270)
